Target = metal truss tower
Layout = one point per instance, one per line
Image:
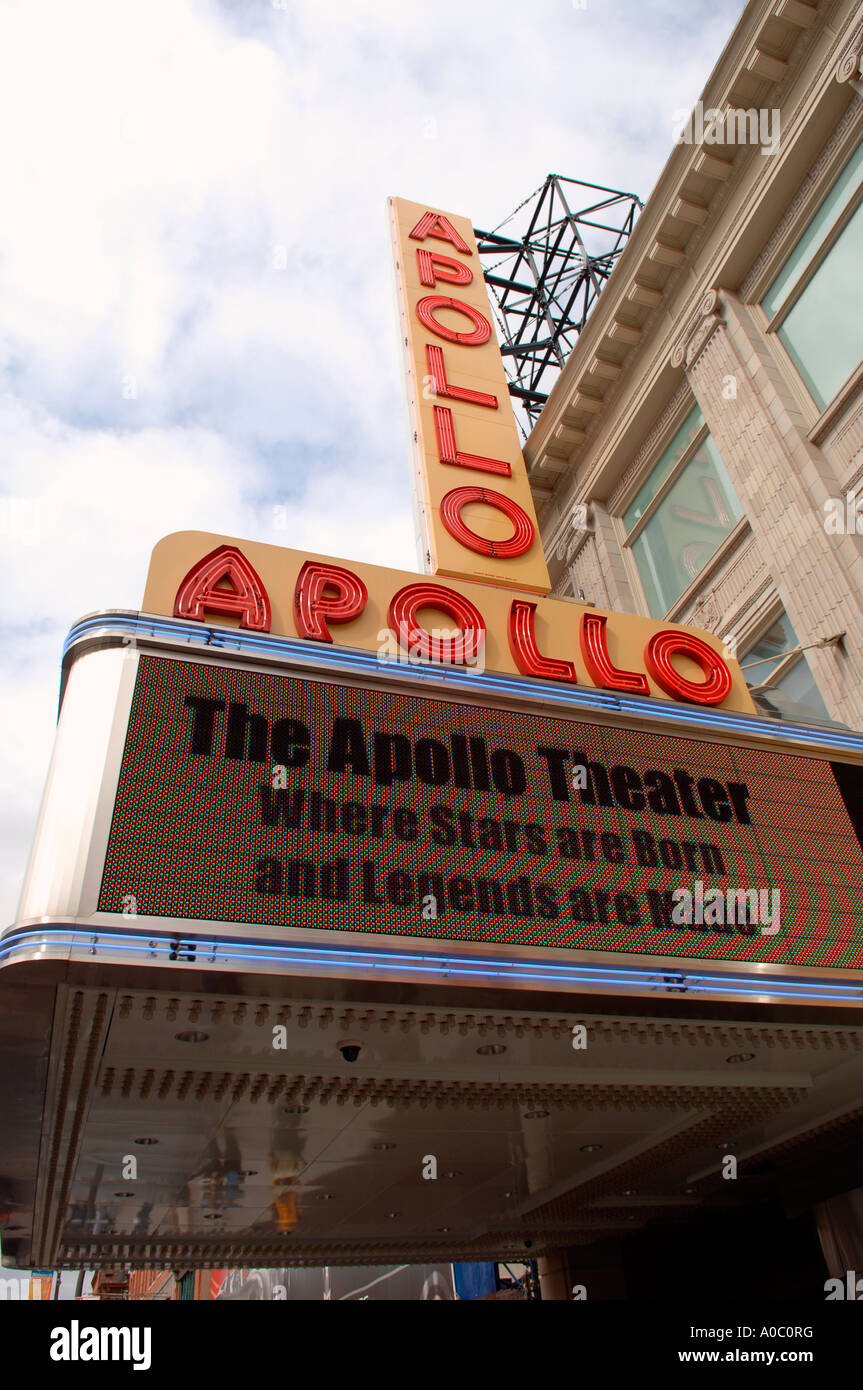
(544, 279)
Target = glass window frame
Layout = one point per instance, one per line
(772, 323)
(784, 666)
(628, 538)
(667, 483)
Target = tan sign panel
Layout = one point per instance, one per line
(522, 633)
(475, 506)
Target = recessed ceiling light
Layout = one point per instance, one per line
(145, 1141)
(444, 1229)
(212, 1216)
(537, 1114)
(191, 1037)
(391, 1215)
(591, 1148)
(740, 1057)
(453, 1173)
(491, 1049)
(630, 1192)
(325, 1196)
(381, 1147)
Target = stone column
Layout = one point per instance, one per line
(553, 1277)
(783, 482)
(609, 557)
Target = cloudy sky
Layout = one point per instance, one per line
(198, 321)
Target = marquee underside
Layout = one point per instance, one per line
(270, 1157)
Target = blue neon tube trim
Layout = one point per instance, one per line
(199, 940)
(368, 663)
(633, 977)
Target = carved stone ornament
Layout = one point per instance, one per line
(706, 613)
(572, 532)
(849, 64)
(698, 330)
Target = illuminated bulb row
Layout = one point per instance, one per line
(643, 1032)
(405, 1091)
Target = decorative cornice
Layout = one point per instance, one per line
(706, 612)
(577, 544)
(804, 192)
(697, 332)
(849, 64)
(573, 532)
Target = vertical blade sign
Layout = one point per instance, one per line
(475, 507)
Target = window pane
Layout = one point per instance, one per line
(675, 451)
(800, 685)
(823, 333)
(699, 511)
(825, 218)
(772, 648)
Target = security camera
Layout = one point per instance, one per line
(350, 1050)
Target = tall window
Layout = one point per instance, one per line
(681, 514)
(814, 302)
(768, 663)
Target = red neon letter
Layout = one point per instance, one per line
(594, 649)
(408, 602)
(450, 514)
(247, 599)
(657, 658)
(449, 452)
(433, 267)
(425, 311)
(436, 225)
(525, 652)
(313, 606)
(441, 387)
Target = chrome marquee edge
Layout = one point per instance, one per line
(68, 943)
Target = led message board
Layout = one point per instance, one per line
(277, 802)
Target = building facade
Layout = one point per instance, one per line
(253, 1013)
(700, 458)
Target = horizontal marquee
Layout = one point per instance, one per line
(406, 617)
(280, 803)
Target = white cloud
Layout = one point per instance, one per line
(157, 370)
